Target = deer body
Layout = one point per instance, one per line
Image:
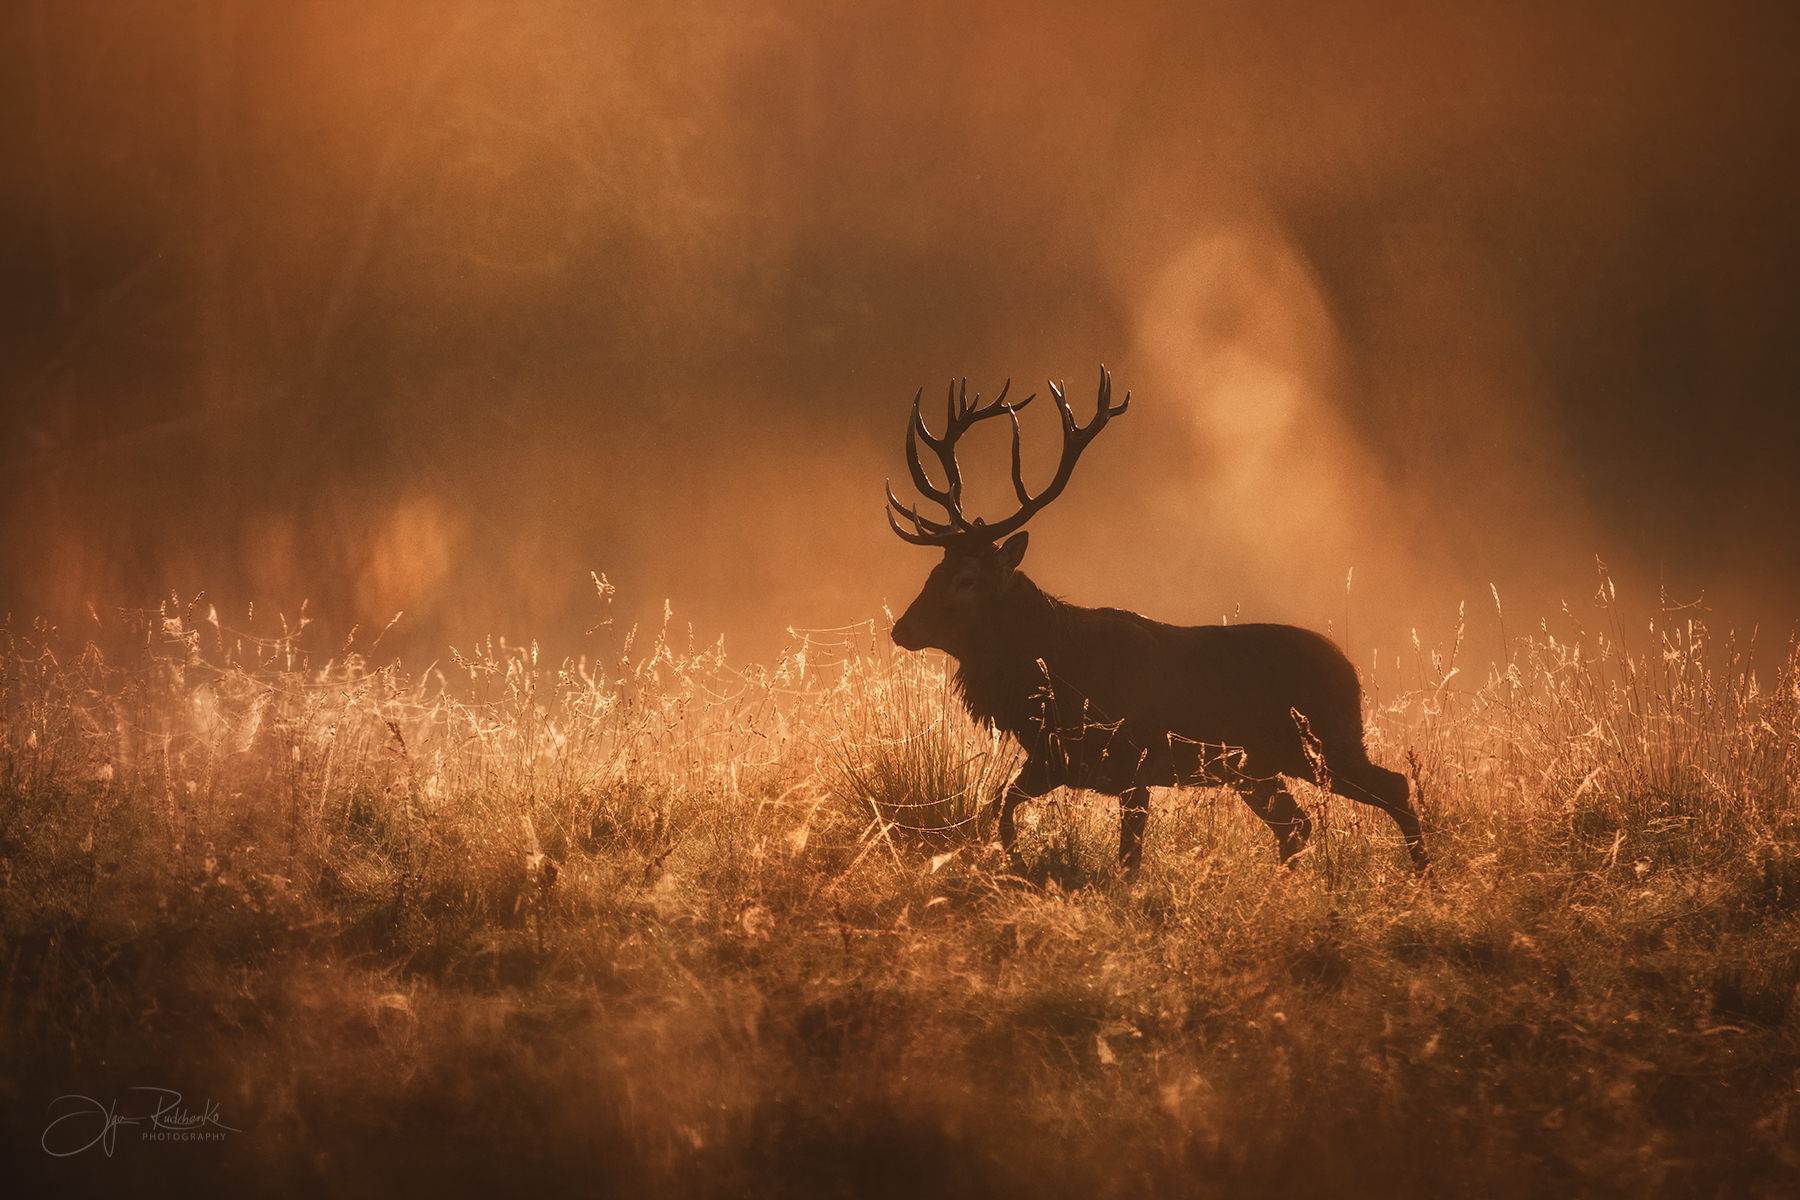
(1113, 702)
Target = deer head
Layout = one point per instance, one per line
(965, 593)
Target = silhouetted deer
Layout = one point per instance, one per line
(1113, 702)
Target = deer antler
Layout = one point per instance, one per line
(962, 417)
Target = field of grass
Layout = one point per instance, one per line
(664, 926)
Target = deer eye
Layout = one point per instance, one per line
(964, 584)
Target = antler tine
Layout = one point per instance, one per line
(1104, 412)
(924, 525)
(980, 412)
(1018, 474)
(921, 537)
(1062, 406)
(950, 497)
(915, 429)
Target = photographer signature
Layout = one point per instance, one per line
(168, 1121)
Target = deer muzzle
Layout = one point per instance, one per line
(908, 635)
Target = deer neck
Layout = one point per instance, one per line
(1001, 674)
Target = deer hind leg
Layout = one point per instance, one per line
(1009, 833)
(1134, 814)
(1270, 800)
(1386, 790)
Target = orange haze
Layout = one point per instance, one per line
(441, 307)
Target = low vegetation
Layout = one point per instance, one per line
(664, 926)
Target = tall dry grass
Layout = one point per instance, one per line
(660, 924)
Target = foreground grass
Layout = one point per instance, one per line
(657, 927)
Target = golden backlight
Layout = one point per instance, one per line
(442, 308)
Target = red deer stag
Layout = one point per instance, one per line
(1113, 702)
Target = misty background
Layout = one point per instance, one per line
(438, 308)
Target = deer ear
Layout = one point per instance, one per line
(1012, 551)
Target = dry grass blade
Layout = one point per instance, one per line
(690, 928)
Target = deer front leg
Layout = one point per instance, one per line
(1029, 784)
(1009, 833)
(1270, 800)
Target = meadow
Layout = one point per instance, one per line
(664, 925)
